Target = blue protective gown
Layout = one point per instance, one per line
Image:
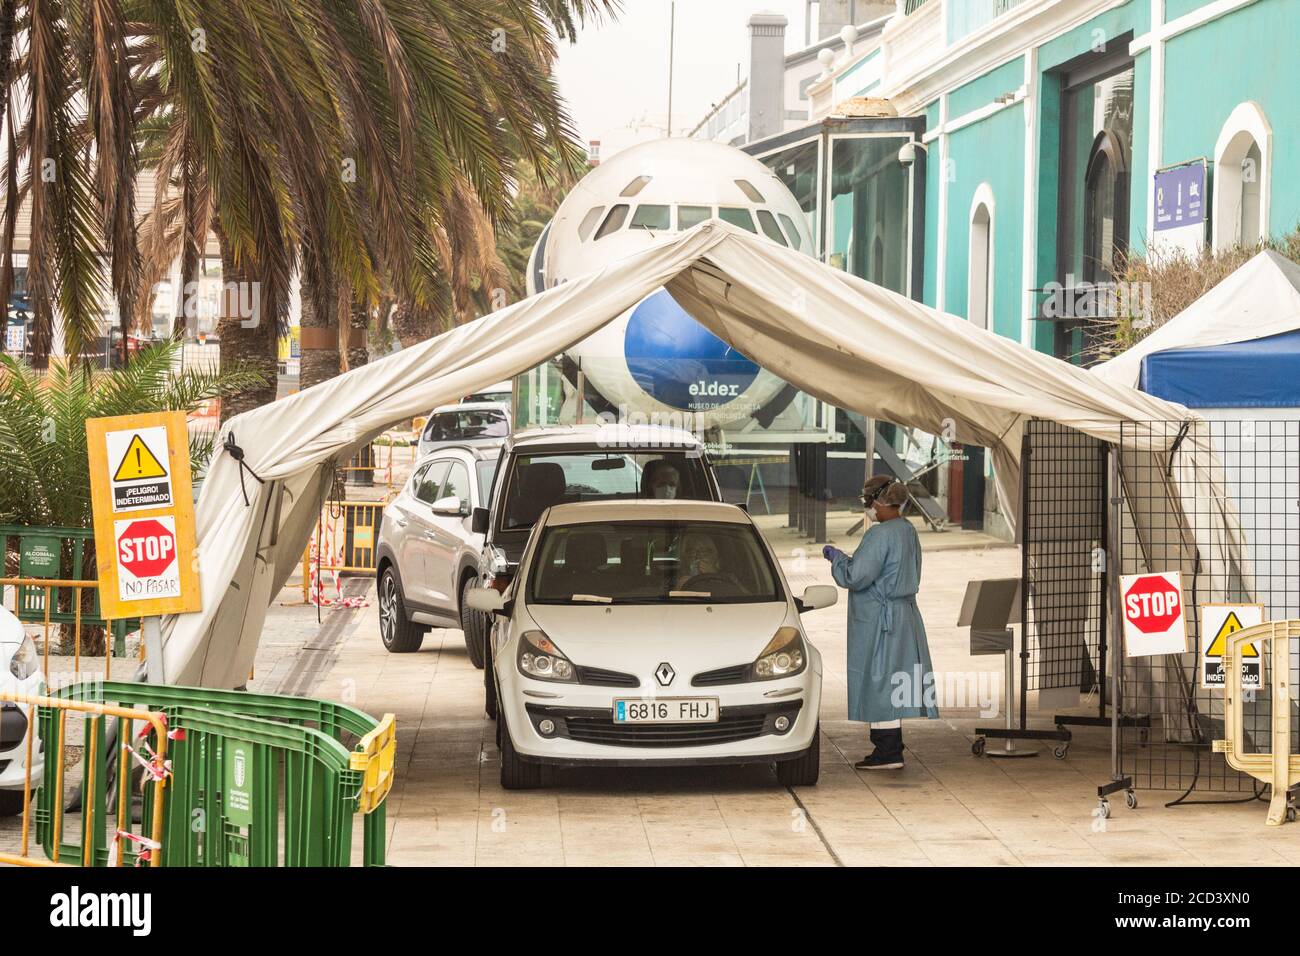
(890, 674)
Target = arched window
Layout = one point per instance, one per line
(1105, 207)
(1242, 160)
(979, 283)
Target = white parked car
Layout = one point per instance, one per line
(466, 423)
(20, 673)
(653, 633)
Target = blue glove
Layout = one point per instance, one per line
(829, 552)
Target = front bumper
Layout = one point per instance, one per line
(735, 725)
(14, 729)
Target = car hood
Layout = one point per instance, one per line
(636, 639)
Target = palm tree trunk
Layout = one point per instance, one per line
(320, 336)
(246, 330)
(412, 324)
(358, 353)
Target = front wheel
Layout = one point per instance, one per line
(471, 625)
(399, 634)
(804, 769)
(516, 773)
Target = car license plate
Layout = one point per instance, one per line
(666, 710)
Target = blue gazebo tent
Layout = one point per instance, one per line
(1261, 373)
(1234, 349)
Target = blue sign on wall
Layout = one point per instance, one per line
(1180, 196)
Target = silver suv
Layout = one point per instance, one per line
(428, 551)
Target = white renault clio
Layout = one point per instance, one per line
(653, 633)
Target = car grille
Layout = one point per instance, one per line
(736, 674)
(598, 727)
(604, 678)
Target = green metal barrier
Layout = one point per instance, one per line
(256, 779)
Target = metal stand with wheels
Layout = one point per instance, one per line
(988, 609)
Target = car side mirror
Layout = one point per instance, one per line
(451, 505)
(817, 596)
(479, 521)
(487, 600)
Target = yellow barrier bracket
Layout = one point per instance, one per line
(374, 757)
(1280, 769)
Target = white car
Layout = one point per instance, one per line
(653, 633)
(467, 423)
(20, 673)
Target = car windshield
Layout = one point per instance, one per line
(538, 481)
(468, 423)
(652, 562)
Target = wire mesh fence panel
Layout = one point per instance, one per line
(1235, 539)
(1064, 533)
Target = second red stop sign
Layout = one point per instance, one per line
(1152, 604)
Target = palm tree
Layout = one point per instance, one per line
(326, 136)
(355, 163)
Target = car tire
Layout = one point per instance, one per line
(803, 770)
(399, 634)
(11, 803)
(516, 773)
(490, 708)
(471, 625)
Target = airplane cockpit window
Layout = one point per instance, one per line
(770, 228)
(589, 222)
(614, 221)
(790, 229)
(688, 216)
(651, 217)
(746, 187)
(635, 186)
(737, 216)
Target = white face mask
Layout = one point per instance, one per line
(665, 491)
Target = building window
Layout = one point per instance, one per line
(1093, 199)
(1105, 208)
(979, 283)
(1241, 178)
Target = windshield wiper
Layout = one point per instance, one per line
(690, 594)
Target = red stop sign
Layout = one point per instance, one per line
(1152, 604)
(146, 548)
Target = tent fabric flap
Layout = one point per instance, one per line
(843, 340)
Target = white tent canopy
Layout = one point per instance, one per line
(844, 340)
(1259, 299)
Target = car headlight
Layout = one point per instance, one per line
(784, 655)
(25, 661)
(541, 659)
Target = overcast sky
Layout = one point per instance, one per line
(615, 77)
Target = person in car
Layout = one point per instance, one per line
(702, 567)
(660, 479)
(889, 671)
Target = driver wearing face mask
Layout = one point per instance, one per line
(662, 479)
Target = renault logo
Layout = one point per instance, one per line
(664, 674)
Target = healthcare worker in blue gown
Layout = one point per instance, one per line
(890, 674)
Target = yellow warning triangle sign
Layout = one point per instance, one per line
(138, 462)
(1231, 625)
